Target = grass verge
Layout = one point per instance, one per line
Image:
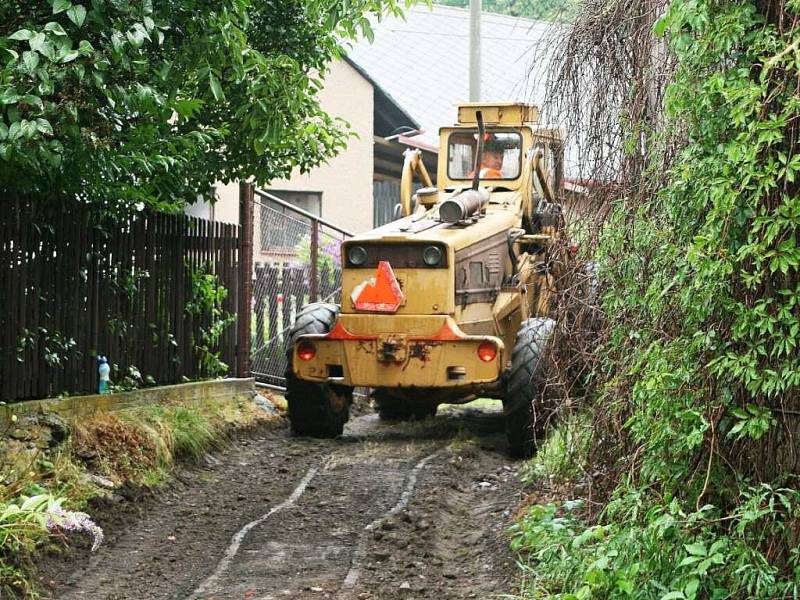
(41, 500)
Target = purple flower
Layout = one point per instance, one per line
(70, 521)
(332, 249)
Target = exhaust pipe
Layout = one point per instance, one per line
(463, 206)
(476, 169)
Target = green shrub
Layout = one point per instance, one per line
(699, 374)
(564, 455)
(646, 547)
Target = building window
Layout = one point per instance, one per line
(281, 228)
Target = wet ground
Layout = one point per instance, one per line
(401, 510)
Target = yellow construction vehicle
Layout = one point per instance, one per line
(453, 300)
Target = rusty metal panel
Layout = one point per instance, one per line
(481, 283)
(369, 325)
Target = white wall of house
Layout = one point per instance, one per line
(345, 182)
(224, 210)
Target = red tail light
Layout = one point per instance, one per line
(487, 351)
(306, 351)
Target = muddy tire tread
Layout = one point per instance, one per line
(522, 400)
(315, 409)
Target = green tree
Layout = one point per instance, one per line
(132, 103)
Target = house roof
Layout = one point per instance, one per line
(389, 114)
(422, 62)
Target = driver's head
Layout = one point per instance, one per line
(492, 158)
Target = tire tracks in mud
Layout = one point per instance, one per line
(412, 510)
(360, 552)
(233, 548)
(354, 491)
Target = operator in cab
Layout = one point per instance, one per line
(491, 165)
(491, 160)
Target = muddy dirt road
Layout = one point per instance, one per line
(408, 510)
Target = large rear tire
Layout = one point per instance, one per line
(524, 404)
(315, 409)
(392, 408)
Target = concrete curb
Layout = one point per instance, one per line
(83, 406)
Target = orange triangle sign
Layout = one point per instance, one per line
(381, 293)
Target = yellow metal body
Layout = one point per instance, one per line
(421, 357)
(499, 113)
(412, 164)
(481, 293)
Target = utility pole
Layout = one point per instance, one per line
(474, 50)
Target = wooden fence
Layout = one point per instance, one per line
(72, 289)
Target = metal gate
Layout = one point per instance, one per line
(297, 260)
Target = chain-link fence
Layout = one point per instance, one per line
(297, 260)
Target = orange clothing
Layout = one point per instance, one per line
(487, 173)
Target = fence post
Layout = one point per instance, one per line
(258, 296)
(313, 283)
(244, 316)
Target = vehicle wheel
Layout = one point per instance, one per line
(392, 408)
(315, 409)
(523, 402)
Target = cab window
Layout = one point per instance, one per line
(501, 155)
